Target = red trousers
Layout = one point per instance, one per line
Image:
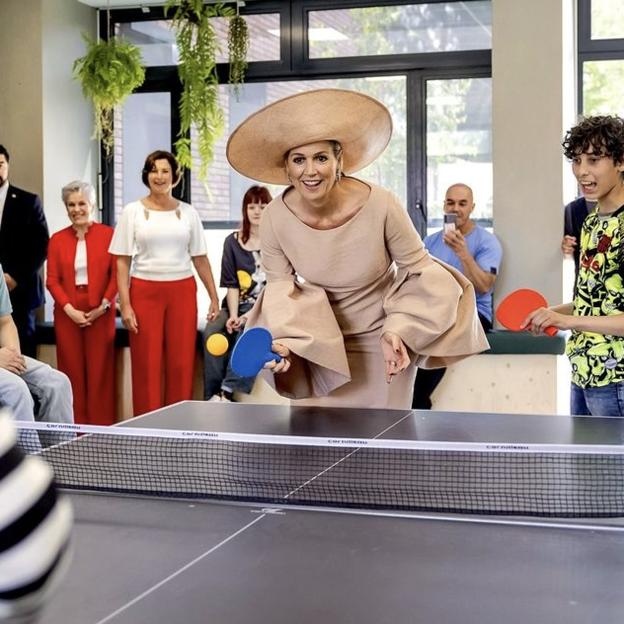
(87, 356)
(164, 348)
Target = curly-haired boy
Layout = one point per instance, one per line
(596, 347)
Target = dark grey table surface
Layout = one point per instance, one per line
(140, 560)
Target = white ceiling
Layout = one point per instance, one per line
(103, 4)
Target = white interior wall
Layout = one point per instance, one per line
(68, 152)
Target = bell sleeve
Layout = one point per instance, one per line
(430, 305)
(300, 317)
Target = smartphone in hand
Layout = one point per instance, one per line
(450, 219)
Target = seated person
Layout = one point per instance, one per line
(35, 525)
(477, 254)
(24, 380)
(242, 276)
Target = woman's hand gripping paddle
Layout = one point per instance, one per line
(252, 351)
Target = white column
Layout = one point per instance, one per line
(534, 102)
(533, 105)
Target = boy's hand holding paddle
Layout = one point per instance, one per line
(545, 320)
(526, 309)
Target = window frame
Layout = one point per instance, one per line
(592, 49)
(295, 64)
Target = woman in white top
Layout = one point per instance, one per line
(163, 238)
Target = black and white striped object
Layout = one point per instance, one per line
(35, 527)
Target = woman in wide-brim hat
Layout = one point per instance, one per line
(353, 299)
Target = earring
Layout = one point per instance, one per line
(338, 175)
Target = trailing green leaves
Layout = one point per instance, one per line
(238, 46)
(198, 46)
(199, 104)
(109, 72)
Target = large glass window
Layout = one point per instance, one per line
(602, 87)
(400, 29)
(390, 50)
(459, 143)
(156, 39)
(607, 19)
(221, 199)
(142, 126)
(601, 57)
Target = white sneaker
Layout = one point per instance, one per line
(218, 398)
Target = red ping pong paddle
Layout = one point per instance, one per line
(517, 305)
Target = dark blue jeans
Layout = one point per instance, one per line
(602, 401)
(218, 373)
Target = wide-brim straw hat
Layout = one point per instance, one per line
(361, 124)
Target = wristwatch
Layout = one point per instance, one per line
(106, 304)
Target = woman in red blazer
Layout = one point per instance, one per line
(82, 281)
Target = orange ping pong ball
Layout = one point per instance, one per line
(217, 344)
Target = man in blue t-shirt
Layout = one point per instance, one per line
(477, 254)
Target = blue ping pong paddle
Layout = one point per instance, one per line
(252, 351)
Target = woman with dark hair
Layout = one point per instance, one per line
(242, 276)
(163, 238)
(81, 279)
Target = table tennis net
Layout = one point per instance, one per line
(546, 480)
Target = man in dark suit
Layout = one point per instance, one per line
(23, 248)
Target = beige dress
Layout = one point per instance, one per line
(330, 294)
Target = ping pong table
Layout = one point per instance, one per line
(145, 560)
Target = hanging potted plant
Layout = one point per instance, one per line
(197, 68)
(109, 72)
(238, 46)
